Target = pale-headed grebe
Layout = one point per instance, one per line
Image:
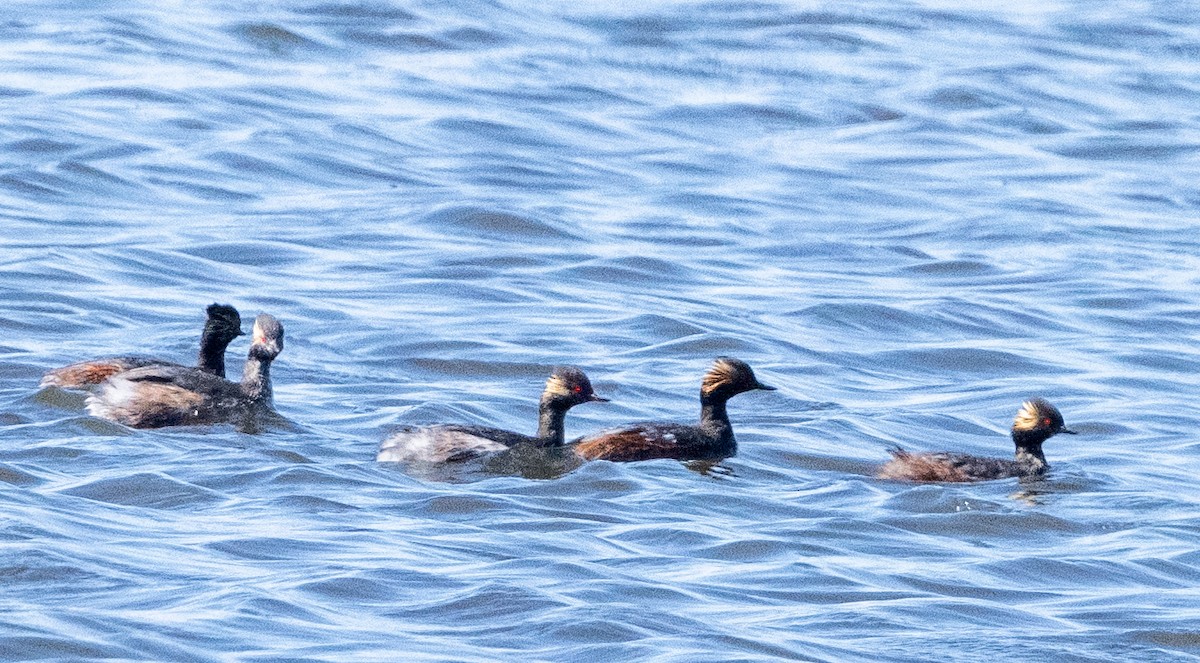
(156, 396)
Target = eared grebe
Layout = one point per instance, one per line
(566, 388)
(223, 325)
(156, 396)
(1036, 422)
(712, 439)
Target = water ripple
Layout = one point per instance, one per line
(910, 217)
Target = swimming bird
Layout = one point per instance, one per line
(437, 443)
(222, 326)
(1036, 422)
(711, 439)
(163, 395)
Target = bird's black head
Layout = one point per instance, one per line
(223, 324)
(1038, 421)
(568, 386)
(729, 377)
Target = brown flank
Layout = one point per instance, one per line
(920, 467)
(626, 445)
(90, 372)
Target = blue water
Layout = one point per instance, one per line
(909, 216)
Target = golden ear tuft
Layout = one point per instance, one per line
(1028, 416)
(724, 371)
(557, 386)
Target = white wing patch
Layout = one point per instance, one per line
(115, 394)
(432, 444)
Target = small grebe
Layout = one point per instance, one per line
(223, 325)
(1036, 422)
(156, 396)
(439, 443)
(710, 440)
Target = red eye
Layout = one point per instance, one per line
(1046, 421)
(577, 389)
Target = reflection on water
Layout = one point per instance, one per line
(910, 216)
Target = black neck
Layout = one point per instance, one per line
(212, 354)
(713, 416)
(551, 423)
(1029, 449)
(712, 410)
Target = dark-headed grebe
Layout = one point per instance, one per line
(223, 325)
(1036, 422)
(156, 396)
(710, 440)
(566, 388)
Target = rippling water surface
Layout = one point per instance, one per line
(908, 216)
